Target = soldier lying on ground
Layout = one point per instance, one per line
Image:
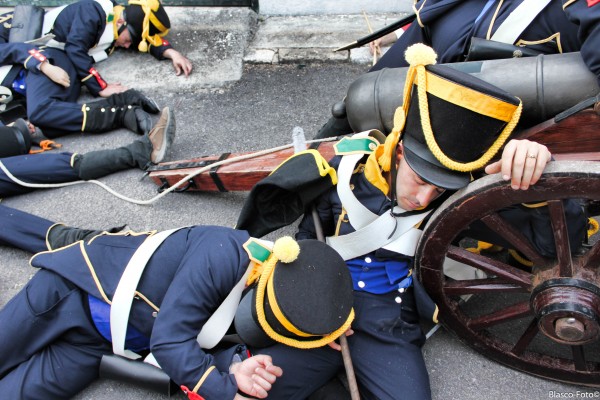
(450, 125)
(82, 36)
(53, 167)
(58, 327)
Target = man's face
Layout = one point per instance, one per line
(124, 39)
(412, 192)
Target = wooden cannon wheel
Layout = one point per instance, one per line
(544, 321)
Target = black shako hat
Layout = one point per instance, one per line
(451, 122)
(147, 22)
(303, 302)
(15, 139)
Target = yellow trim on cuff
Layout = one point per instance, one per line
(72, 162)
(568, 3)
(469, 98)
(84, 119)
(48, 233)
(556, 36)
(26, 61)
(87, 77)
(201, 381)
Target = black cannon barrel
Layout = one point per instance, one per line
(547, 85)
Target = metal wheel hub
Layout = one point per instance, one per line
(568, 310)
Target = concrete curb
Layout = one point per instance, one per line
(288, 39)
(219, 40)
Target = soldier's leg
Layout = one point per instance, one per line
(386, 347)
(23, 230)
(149, 149)
(34, 234)
(49, 347)
(35, 168)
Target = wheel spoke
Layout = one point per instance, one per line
(470, 286)
(491, 266)
(509, 313)
(592, 258)
(497, 224)
(561, 237)
(579, 358)
(526, 338)
(544, 320)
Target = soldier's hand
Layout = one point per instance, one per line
(111, 89)
(335, 345)
(180, 62)
(255, 375)
(522, 162)
(55, 73)
(383, 41)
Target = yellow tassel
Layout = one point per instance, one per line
(286, 249)
(420, 54)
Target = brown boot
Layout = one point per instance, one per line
(162, 135)
(140, 153)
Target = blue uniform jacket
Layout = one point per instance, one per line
(534, 223)
(448, 25)
(184, 282)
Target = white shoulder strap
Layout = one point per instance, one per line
(518, 20)
(123, 297)
(378, 234)
(358, 215)
(215, 328)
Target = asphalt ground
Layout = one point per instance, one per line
(257, 112)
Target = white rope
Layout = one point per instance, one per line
(167, 191)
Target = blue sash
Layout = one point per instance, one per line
(100, 312)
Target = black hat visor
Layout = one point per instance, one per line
(422, 161)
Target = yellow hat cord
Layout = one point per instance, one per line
(435, 148)
(268, 268)
(148, 6)
(385, 160)
(117, 11)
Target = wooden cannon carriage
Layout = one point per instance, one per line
(544, 320)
